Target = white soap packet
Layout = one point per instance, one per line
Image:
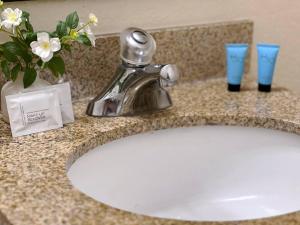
(65, 100)
(34, 112)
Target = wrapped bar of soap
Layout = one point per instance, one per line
(34, 112)
(65, 101)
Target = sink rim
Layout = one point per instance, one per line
(258, 122)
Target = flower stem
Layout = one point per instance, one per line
(88, 23)
(7, 32)
(20, 33)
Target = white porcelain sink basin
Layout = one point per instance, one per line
(206, 173)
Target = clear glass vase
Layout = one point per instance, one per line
(17, 87)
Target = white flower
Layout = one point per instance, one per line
(44, 46)
(89, 33)
(93, 19)
(11, 18)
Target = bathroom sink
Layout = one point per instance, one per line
(204, 173)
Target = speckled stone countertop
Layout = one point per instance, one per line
(34, 187)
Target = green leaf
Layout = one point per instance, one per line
(5, 69)
(39, 63)
(25, 15)
(26, 56)
(9, 56)
(72, 20)
(56, 65)
(28, 26)
(29, 77)
(67, 47)
(84, 40)
(20, 42)
(14, 48)
(30, 37)
(15, 71)
(53, 34)
(61, 29)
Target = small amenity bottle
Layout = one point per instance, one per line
(267, 55)
(235, 55)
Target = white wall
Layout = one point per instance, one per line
(276, 21)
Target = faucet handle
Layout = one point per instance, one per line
(169, 75)
(137, 46)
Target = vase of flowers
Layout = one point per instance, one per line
(29, 51)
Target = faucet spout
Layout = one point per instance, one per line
(144, 92)
(137, 86)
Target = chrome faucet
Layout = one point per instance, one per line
(137, 86)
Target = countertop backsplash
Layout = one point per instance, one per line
(198, 51)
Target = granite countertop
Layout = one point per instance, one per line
(34, 187)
